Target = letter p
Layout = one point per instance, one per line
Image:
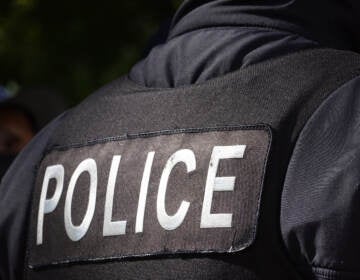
(48, 205)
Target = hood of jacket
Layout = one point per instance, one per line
(331, 23)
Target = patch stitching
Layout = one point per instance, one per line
(130, 136)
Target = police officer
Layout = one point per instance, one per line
(229, 152)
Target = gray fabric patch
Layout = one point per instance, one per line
(239, 203)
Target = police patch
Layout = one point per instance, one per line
(159, 193)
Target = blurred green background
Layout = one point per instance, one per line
(74, 46)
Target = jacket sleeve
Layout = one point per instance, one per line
(320, 209)
(15, 197)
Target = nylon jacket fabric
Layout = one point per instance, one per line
(320, 201)
(210, 38)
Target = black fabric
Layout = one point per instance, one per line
(203, 54)
(333, 24)
(249, 96)
(282, 93)
(189, 268)
(154, 240)
(211, 38)
(320, 209)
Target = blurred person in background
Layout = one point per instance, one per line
(17, 127)
(22, 116)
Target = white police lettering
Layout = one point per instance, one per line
(214, 183)
(48, 205)
(112, 228)
(75, 233)
(187, 191)
(166, 221)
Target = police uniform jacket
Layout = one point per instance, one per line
(231, 151)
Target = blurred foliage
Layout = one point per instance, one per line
(75, 46)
